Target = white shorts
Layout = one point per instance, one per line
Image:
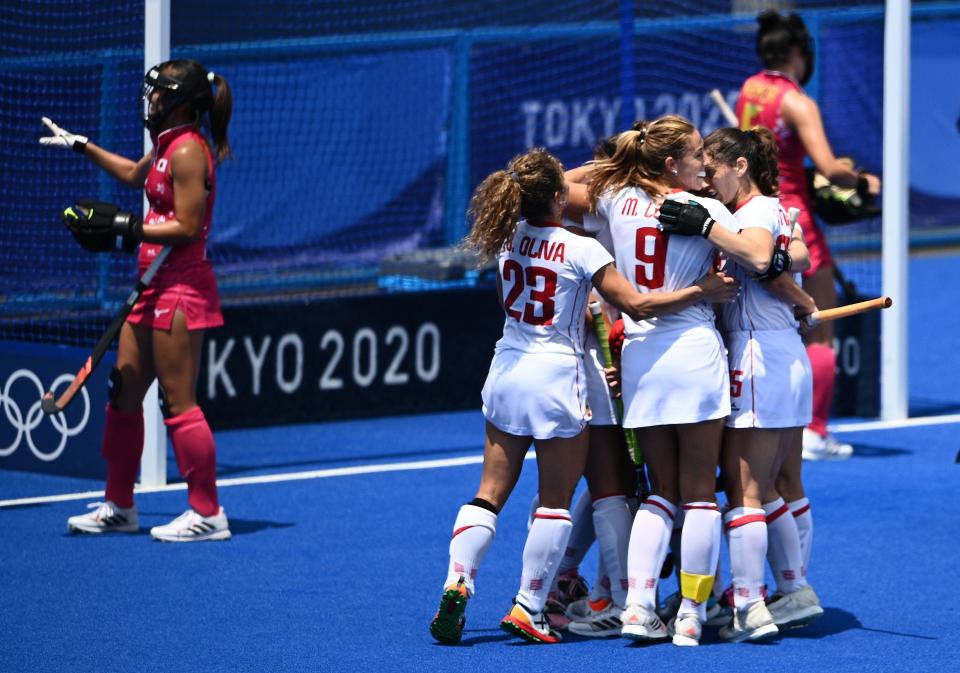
(676, 376)
(539, 395)
(771, 384)
(598, 392)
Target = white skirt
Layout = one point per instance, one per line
(539, 395)
(771, 384)
(675, 376)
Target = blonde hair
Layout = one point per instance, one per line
(640, 157)
(526, 188)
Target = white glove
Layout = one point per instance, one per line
(62, 138)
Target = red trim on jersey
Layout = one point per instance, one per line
(545, 224)
(803, 510)
(773, 516)
(741, 205)
(745, 519)
(650, 501)
(460, 530)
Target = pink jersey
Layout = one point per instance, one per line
(759, 105)
(546, 274)
(756, 308)
(656, 262)
(185, 262)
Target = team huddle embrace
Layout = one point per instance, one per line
(709, 374)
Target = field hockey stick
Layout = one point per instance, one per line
(51, 406)
(852, 309)
(725, 108)
(600, 328)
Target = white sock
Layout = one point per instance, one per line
(700, 550)
(473, 533)
(675, 536)
(612, 521)
(747, 538)
(649, 542)
(582, 534)
(804, 520)
(546, 540)
(783, 547)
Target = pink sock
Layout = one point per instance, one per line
(122, 447)
(823, 364)
(196, 458)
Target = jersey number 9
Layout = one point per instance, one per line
(651, 252)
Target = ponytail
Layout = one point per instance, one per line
(220, 113)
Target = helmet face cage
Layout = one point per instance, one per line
(170, 97)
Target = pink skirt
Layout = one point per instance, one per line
(199, 303)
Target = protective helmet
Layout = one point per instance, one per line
(190, 86)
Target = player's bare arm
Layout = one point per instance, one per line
(613, 287)
(803, 114)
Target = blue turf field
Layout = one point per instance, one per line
(343, 573)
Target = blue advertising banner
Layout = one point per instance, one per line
(68, 443)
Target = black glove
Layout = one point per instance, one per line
(101, 227)
(779, 263)
(685, 219)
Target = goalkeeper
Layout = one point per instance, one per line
(162, 337)
(774, 98)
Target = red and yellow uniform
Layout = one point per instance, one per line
(759, 105)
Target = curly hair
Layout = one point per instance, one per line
(640, 156)
(526, 188)
(758, 146)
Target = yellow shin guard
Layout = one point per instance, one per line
(695, 587)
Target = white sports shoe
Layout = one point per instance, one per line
(599, 624)
(686, 630)
(754, 624)
(816, 447)
(795, 609)
(106, 518)
(639, 623)
(191, 527)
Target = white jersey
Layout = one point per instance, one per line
(596, 225)
(755, 307)
(655, 262)
(546, 273)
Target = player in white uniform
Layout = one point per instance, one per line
(674, 373)
(770, 370)
(534, 390)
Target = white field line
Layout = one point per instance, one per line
(890, 425)
(270, 478)
(423, 465)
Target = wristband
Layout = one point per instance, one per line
(863, 187)
(80, 145)
(707, 226)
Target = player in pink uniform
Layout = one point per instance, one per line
(163, 335)
(535, 390)
(774, 98)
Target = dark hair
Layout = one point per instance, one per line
(639, 158)
(526, 188)
(777, 35)
(758, 146)
(219, 103)
(605, 147)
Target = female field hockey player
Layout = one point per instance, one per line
(163, 335)
(774, 98)
(771, 388)
(534, 391)
(674, 374)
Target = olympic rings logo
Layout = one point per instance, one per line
(26, 424)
